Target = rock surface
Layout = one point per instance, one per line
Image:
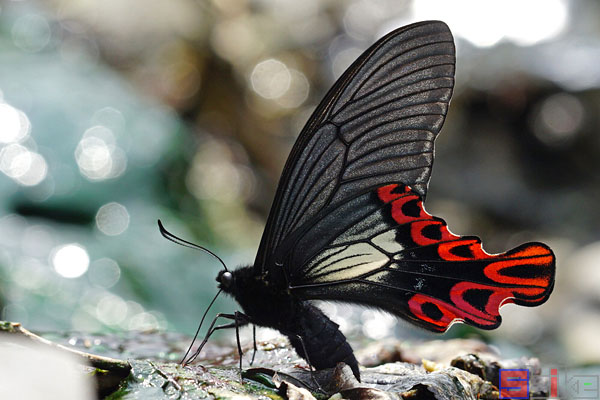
(391, 369)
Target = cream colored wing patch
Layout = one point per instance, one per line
(387, 241)
(346, 262)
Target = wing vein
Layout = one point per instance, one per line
(380, 107)
(294, 200)
(402, 53)
(407, 75)
(387, 158)
(427, 56)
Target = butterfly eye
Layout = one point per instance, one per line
(226, 279)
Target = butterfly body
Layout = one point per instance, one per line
(311, 333)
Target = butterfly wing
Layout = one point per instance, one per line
(383, 249)
(375, 126)
(348, 221)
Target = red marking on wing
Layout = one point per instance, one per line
(492, 306)
(524, 275)
(449, 313)
(497, 297)
(386, 195)
(400, 195)
(445, 250)
(417, 228)
(534, 254)
(462, 310)
(398, 213)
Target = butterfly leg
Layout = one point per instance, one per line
(238, 322)
(254, 340)
(312, 369)
(237, 338)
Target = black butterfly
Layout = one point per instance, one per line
(348, 222)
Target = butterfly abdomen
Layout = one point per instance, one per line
(325, 344)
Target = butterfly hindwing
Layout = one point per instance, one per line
(397, 257)
(375, 126)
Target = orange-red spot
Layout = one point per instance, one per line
(495, 270)
(492, 306)
(386, 195)
(530, 292)
(499, 297)
(445, 250)
(399, 215)
(449, 312)
(416, 232)
(416, 307)
(532, 251)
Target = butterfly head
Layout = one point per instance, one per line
(225, 279)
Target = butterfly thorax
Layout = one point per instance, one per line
(266, 303)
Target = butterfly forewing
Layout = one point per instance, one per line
(375, 126)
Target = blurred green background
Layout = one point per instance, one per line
(116, 113)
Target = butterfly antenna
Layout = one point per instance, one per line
(169, 236)
(183, 360)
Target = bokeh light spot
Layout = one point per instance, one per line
(362, 15)
(30, 274)
(101, 132)
(297, 92)
(270, 79)
(111, 310)
(236, 40)
(15, 160)
(143, 322)
(94, 158)
(14, 124)
(98, 156)
(112, 219)
(31, 33)
(24, 166)
(104, 273)
(559, 119)
(213, 175)
(37, 171)
(71, 260)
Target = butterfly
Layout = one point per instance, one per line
(348, 222)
